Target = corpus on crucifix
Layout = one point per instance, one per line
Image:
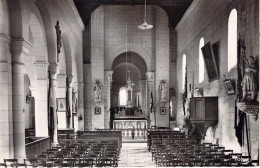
(59, 44)
(129, 89)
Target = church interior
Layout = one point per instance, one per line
(129, 83)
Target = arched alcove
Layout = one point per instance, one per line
(127, 66)
(29, 110)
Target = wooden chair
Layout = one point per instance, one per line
(2, 165)
(175, 163)
(11, 162)
(105, 163)
(62, 165)
(70, 161)
(30, 162)
(83, 162)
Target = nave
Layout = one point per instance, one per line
(164, 148)
(80, 81)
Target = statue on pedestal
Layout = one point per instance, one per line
(163, 89)
(249, 80)
(97, 92)
(74, 100)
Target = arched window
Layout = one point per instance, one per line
(232, 39)
(171, 109)
(122, 96)
(201, 62)
(183, 70)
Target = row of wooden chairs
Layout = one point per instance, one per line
(73, 153)
(79, 154)
(185, 152)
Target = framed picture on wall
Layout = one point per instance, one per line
(229, 87)
(97, 110)
(61, 104)
(163, 110)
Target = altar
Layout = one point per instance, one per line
(130, 123)
(131, 128)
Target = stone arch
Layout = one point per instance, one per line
(132, 48)
(30, 70)
(49, 26)
(39, 47)
(161, 10)
(133, 58)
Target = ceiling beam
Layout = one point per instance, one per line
(169, 3)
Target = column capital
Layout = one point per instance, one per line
(70, 80)
(55, 68)
(108, 75)
(19, 45)
(150, 76)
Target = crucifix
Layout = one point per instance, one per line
(58, 33)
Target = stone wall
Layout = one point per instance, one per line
(209, 19)
(111, 26)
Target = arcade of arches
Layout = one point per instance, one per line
(82, 66)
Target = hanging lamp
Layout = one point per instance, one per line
(145, 25)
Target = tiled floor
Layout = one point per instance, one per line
(135, 155)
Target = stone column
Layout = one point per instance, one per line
(143, 98)
(41, 100)
(74, 106)
(6, 134)
(81, 106)
(19, 49)
(70, 82)
(149, 89)
(54, 72)
(108, 75)
(87, 98)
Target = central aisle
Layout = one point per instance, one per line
(135, 155)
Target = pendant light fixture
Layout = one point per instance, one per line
(145, 26)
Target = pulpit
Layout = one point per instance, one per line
(203, 113)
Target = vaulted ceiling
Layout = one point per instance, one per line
(174, 8)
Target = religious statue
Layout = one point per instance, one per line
(59, 44)
(187, 108)
(163, 89)
(109, 78)
(97, 91)
(74, 100)
(249, 79)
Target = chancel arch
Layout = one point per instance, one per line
(121, 48)
(129, 74)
